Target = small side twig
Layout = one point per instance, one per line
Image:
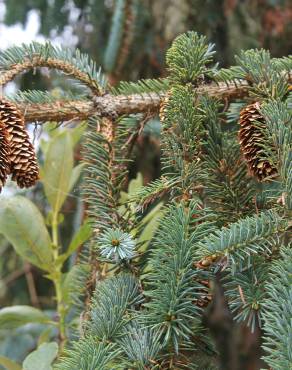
(31, 285)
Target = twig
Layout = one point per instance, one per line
(116, 105)
(13, 276)
(31, 285)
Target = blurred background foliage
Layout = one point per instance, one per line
(128, 39)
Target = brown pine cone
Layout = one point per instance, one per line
(251, 139)
(23, 164)
(4, 155)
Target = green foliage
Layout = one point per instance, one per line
(42, 358)
(57, 170)
(278, 312)
(36, 238)
(141, 345)
(228, 189)
(143, 228)
(249, 236)
(181, 146)
(112, 303)
(74, 286)
(81, 236)
(151, 276)
(116, 245)
(187, 58)
(267, 77)
(15, 316)
(80, 65)
(245, 291)
(89, 354)
(142, 86)
(30, 240)
(258, 68)
(171, 283)
(37, 96)
(279, 137)
(9, 364)
(98, 188)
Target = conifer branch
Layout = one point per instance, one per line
(51, 63)
(110, 105)
(18, 59)
(278, 312)
(141, 97)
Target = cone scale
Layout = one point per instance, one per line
(251, 141)
(4, 155)
(22, 161)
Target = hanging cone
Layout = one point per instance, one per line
(251, 139)
(4, 155)
(204, 296)
(23, 164)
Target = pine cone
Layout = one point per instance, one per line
(251, 139)
(4, 155)
(23, 164)
(204, 294)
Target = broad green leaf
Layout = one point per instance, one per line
(51, 128)
(151, 214)
(9, 364)
(42, 358)
(67, 285)
(77, 132)
(133, 187)
(79, 238)
(151, 225)
(76, 172)
(15, 316)
(44, 144)
(45, 335)
(57, 169)
(135, 184)
(23, 226)
(123, 197)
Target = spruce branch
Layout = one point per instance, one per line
(111, 305)
(105, 168)
(143, 86)
(18, 59)
(188, 58)
(278, 313)
(173, 284)
(118, 105)
(241, 240)
(140, 345)
(228, 188)
(151, 192)
(245, 291)
(278, 118)
(47, 97)
(88, 353)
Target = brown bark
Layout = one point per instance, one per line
(112, 106)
